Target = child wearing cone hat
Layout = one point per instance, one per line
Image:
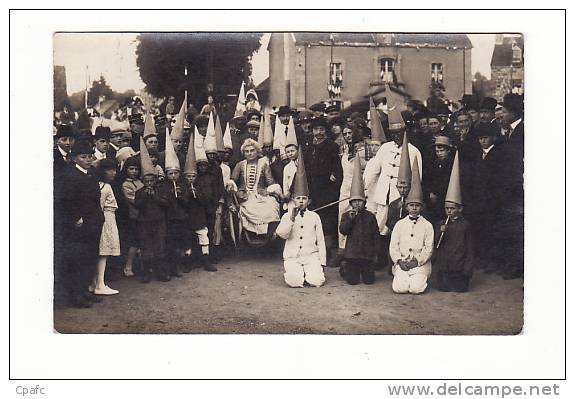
(453, 259)
(216, 173)
(151, 221)
(289, 171)
(131, 183)
(362, 235)
(397, 208)
(196, 212)
(174, 193)
(304, 252)
(411, 244)
(209, 187)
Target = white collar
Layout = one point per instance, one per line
(62, 152)
(98, 154)
(81, 169)
(114, 146)
(514, 124)
(486, 151)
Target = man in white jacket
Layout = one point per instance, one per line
(380, 175)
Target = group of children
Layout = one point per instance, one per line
(173, 203)
(414, 243)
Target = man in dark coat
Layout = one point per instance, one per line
(510, 226)
(489, 191)
(513, 117)
(325, 176)
(64, 142)
(78, 223)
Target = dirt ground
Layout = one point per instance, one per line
(248, 296)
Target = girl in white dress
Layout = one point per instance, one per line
(110, 239)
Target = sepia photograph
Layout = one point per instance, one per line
(288, 183)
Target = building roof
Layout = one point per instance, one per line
(503, 53)
(455, 40)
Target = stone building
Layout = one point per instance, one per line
(507, 65)
(305, 68)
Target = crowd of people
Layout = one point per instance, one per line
(429, 194)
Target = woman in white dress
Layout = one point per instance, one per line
(109, 239)
(257, 194)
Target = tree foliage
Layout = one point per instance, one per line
(99, 88)
(217, 63)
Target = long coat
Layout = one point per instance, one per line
(325, 162)
(77, 196)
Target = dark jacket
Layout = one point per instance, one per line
(176, 209)
(77, 196)
(396, 211)
(325, 162)
(209, 196)
(489, 189)
(455, 254)
(151, 208)
(362, 235)
(436, 181)
(59, 163)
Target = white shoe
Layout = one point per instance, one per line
(128, 273)
(105, 291)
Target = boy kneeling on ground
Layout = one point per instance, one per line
(304, 252)
(411, 244)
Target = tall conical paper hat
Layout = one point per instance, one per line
(454, 188)
(279, 136)
(377, 133)
(357, 188)
(416, 193)
(190, 165)
(261, 133)
(404, 162)
(219, 135)
(178, 128)
(394, 119)
(149, 126)
(300, 179)
(199, 146)
(268, 132)
(210, 140)
(172, 161)
(147, 167)
(228, 137)
(291, 138)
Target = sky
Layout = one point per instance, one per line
(113, 55)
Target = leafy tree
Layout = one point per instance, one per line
(99, 88)
(217, 63)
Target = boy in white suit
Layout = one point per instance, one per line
(411, 244)
(304, 252)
